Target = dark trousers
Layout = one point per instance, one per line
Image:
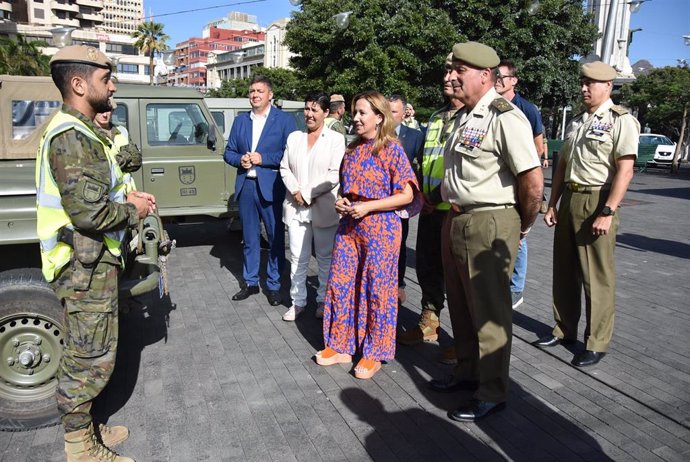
(429, 261)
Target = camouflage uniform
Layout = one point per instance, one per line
(87, 286)
(129, 156)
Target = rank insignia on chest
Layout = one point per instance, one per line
(472, 137)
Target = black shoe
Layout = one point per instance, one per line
(246, 292)
(552, 341)
(273, 297)
(475, 410)
(451, 384)
(587, 358)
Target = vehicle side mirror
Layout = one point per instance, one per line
(211, 140)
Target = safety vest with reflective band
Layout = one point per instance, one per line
(329, 121)
(120, 140)
(50, 215)
(432, 156)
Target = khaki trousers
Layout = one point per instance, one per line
(582, 260)
(479, 251)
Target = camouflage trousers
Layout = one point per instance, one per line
(91, 326)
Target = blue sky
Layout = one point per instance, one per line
(664, 22)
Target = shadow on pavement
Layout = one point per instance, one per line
(651, 244)
(145, 323)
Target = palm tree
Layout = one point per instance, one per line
(150, 39)
(22, 57)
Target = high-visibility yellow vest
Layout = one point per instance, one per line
(120, 140)
(432, 156)
(50, 215)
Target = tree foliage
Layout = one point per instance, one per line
(286, 85)
(150, 39)
(400, 46)
(19, 56)
(660, 98)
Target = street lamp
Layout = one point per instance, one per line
(62, 36)
(686, 40)
(565, 111)
(635, 5)
(342, 20)
(238, 56)
(295, 2)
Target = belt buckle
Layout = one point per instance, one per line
(575, 187)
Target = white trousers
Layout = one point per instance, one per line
(300, 236)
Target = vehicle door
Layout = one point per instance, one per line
(178, 167)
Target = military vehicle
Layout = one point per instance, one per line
(182, 166)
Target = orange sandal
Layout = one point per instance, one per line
(366, 368)
(328, 356)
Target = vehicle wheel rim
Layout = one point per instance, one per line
(31, 347)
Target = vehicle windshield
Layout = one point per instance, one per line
(655, 139)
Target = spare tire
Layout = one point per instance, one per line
(31, 339)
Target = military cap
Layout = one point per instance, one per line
(476, 54)
(113, 103)
(597, 70)
(335, 98)
(82, 54)
(449, 59)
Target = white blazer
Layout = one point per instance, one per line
(321, 173)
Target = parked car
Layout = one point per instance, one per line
(663, 156)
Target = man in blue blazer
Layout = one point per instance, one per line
(412, 142)
(256, 145)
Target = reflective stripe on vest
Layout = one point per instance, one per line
(50, 215)
(120, 140)
(432, 158)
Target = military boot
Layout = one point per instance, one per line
(426, 331)
(82, 446)
(111, 436)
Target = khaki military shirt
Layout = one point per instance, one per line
(489, 147)
(593, 143)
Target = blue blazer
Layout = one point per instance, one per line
(412, 142)
(271, 146)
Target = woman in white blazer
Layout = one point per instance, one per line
(310, 170)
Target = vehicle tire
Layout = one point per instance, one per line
(31, 339)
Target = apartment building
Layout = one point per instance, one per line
(122, 16)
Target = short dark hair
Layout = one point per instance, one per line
(510, 65)
(318, 97)
(400, 98)
(258, 78)
(62, 73)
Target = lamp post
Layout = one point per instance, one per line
(342, 20)
(686, 40)
(62, 36)
(565, 111)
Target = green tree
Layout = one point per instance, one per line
(401, 45)
(662, 100)
(150, 39)
(286, 85)
(19, 56)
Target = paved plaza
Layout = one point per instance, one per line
(202, 378)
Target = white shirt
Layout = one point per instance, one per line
(258, 124)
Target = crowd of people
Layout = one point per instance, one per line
(475, 177)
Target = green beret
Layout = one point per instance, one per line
(598, 70)
(82, 54)
(476, 54)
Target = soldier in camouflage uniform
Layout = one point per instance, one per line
(127, 153)
(81, 211)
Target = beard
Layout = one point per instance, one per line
(100, 103)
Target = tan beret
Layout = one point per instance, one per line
(597, 70)
(82, 54)
(335, 98)
(449, 59)
(476, 54)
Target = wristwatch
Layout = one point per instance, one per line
(607, 211)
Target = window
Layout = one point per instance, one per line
(39, 13)
(175, 124)
(128, 68)
(28, 115)
(120, 116)
(219, 118)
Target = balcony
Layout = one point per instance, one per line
(66, 22)
(95, 17)
(5, 6)
(98, 4)
(64, 6)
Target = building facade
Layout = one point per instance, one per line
(122, 16)
(234, 65)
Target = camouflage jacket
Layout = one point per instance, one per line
(82, 172)
(129, 155)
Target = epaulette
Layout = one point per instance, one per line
(620, 110)
(502, 104)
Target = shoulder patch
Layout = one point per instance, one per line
(92, 191)
(620, 110)
(502, 105)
